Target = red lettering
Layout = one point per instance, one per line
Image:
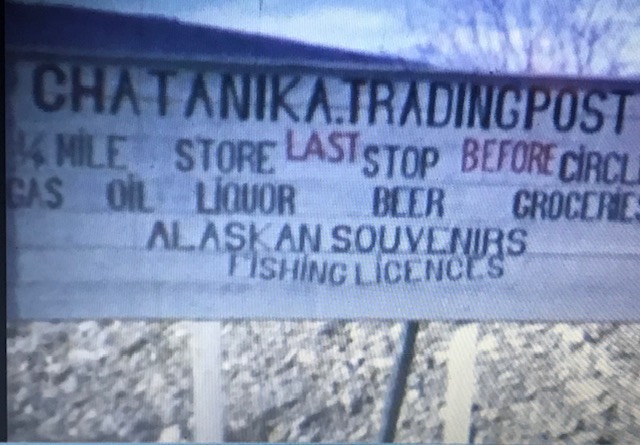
(333, 149)
(469, 150)
(335, 143)
(314, 146)
(353, 138)
(486, 154)
(522, 149)
(502, 155)
(497, 155)
(290, 155)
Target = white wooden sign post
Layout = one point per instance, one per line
(461, 384)
(208, 394)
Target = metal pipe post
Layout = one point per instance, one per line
(398, 382)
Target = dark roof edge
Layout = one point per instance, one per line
(73, 30)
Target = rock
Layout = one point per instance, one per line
(306, 357)
(488, 344)
(170, 434)
(360, 434)
(82, 356)
(330, 328)
(69, 385)
(157, 383)
(87, 328)
(134, 346)
(89, 415)
(280, 433)
(49, 428)
(21, 396)
(288, 362)
(54, 368)
(572, 335)
(108, 427)
(352, 402)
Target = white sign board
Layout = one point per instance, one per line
(205, 190)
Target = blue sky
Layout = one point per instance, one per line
(369, 26)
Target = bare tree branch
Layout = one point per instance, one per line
(583, 37)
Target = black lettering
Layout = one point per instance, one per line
(68, 148)
(391, 150)
(124, 89)
(496, 266)
(318, 98)
(234, 232)
(381, 198)
(315, 273)
(375, 102)
(163, 77)
(278, 99)
(340, 235)
(95, 91)
(112, 151)
(408, 272)
(210, 233)
(313, 239)
(254, 237)
(335, 278)
(39, 89)
(533, 106)
(354, 98)
(500, 107)
(268, 268)
(476, 106)
(396, 240)
(263, 157)
(261, 96)
(431, 108)
(52, 186)
(435, 198)
(565, 174)
(371, 169)
(200, 195)
(591, 111)
(432, 271)
(450, 269)
(286, 196)
(186, 161)
(622, 101)
(462, 92)
(241, 105)
(286, 235)
(159, 231)
(414, 241)
(411, 104)
(387, 272)
(573, 109)
(520, 209)
(198, 92)
(366, 245)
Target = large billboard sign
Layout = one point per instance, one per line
(140, 188)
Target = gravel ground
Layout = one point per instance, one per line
(558, 383)
(98, 381)
(336, 376)
(320, 381)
